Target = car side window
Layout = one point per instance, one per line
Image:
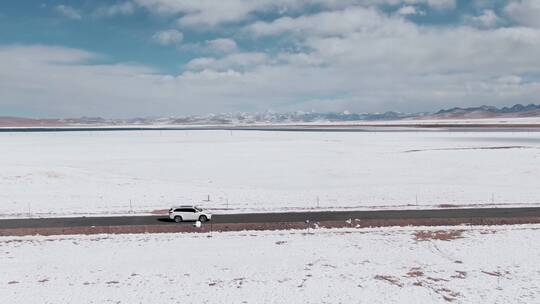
(185, 210)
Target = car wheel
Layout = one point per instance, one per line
(203, 218)
(178, 219)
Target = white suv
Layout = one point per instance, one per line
(188, 213)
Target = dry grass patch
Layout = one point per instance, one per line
(438, 235)
(460, 275)
(449, 206)
(238, 282)
(415, 272)
(437, 279)
(448, 295)
(390, 279)
(159, 211)
(496, 273)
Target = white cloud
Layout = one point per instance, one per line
(203, 12)
(56, 81)
(510, 79)
(124, 8)
(368, 38)
(418, 50)
(225, 45)
(168, 37)
(409, 10)
(442, 4)
(231, 61)
(329, 23)
(347, 57)
(488, 18)
(212, 13)
(524, 12)
(68, 12)
(359, 71)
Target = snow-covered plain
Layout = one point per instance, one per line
(88, 172)
(496, 264)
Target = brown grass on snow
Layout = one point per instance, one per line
(496, 273)
(390, 279)
(415, 272)
(460, 275)
(438, 235)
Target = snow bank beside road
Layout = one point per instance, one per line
(390, 265)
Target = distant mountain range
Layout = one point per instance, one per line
(517, 110)
(269, 117)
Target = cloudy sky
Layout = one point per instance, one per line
(131, 58)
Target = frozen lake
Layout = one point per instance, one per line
(91, 172)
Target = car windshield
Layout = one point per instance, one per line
(198, 209)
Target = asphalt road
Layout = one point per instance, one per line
(277, 217)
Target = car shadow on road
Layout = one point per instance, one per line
(165, 219)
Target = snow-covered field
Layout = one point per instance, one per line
(497, 264)
(118, 172)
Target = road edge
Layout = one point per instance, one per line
(222, 227)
